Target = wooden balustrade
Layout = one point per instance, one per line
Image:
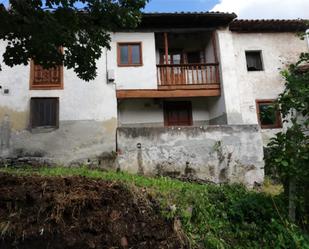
(186, 75)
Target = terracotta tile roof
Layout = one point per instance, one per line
(191, 13)
(270, 25)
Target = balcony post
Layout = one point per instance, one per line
(214, 45)
(166, 47)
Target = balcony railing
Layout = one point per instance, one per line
(188, 75)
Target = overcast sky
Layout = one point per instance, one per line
(251, 9)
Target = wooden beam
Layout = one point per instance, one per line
(142, 94)
(166, 47)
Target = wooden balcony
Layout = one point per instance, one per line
(188, 76)
(178, 81)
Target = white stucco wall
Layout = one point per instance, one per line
(141, 77)
(278, 51)
(79, 100)
(149, 112)
(229, 83)
(140, 112)
(87, 116)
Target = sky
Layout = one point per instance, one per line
(246, 9)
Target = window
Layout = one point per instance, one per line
(130, 54)
(254, 61)
(268, 115)
(45, 79)
(44, 112)
(178, 113)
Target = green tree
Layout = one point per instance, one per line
(288, 151)
(36, 29)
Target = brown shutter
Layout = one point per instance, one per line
(44, 112)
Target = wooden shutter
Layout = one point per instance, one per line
(42, 79)
(44, 112)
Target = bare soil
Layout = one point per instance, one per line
(80, 213)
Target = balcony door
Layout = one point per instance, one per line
(175, 74)
(177, 113)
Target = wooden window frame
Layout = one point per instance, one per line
(129, 44)
(261, 58)
(277, 124)
(166, 121)
(32, 114)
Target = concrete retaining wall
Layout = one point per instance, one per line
(221, 154)
(74, 143)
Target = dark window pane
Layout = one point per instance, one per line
(136, 57)
(254, 61)
(267, 114)
(124, 54)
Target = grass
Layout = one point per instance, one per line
(272, 188)
(212, 216)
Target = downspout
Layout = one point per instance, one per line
(118, 112)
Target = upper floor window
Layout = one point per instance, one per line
(44, 112)
(45, 79)
(130, 54)
(254, 61)
(268, 115)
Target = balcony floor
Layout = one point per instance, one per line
(204, 91)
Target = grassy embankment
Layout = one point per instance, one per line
(212, 216)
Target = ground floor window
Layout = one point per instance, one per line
(268, 116)
(177, 113)
(44, 112)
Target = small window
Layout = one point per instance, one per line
(254, 61)
(44, 112)
(129, 54)
(269, 117)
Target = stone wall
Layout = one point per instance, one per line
(220, 154)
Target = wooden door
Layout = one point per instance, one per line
(178, 113)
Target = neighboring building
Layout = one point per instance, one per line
(183, 95)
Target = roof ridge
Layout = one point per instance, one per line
(188, 12)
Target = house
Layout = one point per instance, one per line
(182, 95)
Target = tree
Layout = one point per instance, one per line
(288, 151)
(36, 29)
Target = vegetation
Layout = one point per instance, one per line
(288, 152)
(37, 29)
(212, 216)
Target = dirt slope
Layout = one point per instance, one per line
(79, 213)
